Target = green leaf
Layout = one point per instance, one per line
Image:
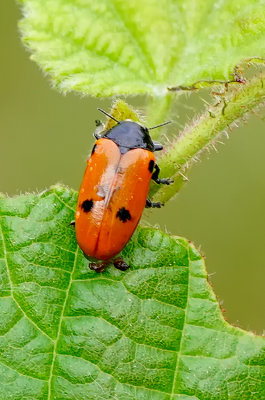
(108, 47)
(154, 332)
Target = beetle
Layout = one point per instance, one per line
(114, 190)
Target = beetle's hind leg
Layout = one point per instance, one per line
(150, 204)
(99, 266)
(163, 181)
(120, 264)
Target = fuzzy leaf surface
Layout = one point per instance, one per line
(154, 332)
(127, 47)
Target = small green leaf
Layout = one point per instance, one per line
(108, 47)
(153, 332)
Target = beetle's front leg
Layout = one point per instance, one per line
(99, 129)
(164, 181)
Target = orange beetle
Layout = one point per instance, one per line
(114, 191)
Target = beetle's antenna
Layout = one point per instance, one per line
(157, 126)
(110, 116)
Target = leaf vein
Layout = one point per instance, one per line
(20, 373)
(59, 328)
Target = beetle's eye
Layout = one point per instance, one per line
(145, 130)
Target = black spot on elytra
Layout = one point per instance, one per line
(87, 205)
(93, 150)
(123, 214)
(151, 165)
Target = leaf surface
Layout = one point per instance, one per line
(113, 47)
(154, 332)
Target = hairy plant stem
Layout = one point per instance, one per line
(158, 111)
(233, 105)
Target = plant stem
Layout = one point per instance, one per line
(234, 104)
(158, 111)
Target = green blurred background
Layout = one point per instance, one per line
(45, 138)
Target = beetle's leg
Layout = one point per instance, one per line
(157, 146)
(99, 129)
(150, 204)
(164, 181)
(72, 223)
(98, 267)
(120, 264)
(96, 135)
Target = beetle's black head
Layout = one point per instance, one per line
(131, 135)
